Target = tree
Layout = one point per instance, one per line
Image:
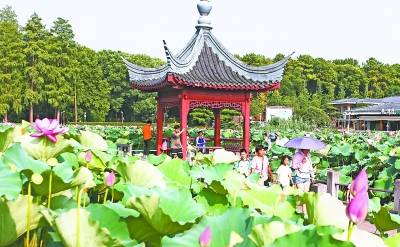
(36, 39)
(63, 64)
(90, 90)
(12, 63)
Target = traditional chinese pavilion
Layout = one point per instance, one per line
(205, 74)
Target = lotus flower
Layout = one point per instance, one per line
(360, 184)
(357, 208)
(205, 237)
(88, 156)
(109, 178)
(48, 128)
(370, 142)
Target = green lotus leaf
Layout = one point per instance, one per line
(16, 157)
(176, 172)
(44, 149)
(13, 215)
(384, 220)
(157, 159)
(210, 173)
(236, 220)
(142, 173)
(311, 237)
(6, 137)
(110, 220)
(93, 141)
(10, 182)
(122, 211)
(393, 241)
(265, 234)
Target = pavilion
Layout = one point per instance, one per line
(205, 74)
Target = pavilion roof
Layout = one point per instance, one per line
(205, 63)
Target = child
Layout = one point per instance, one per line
(201, 141)
(284, 172)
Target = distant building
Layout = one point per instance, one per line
(369, 114)
(280, 112)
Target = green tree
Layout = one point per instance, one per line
(91, 91)
(36, 39)
(63, 64)
(12, 63)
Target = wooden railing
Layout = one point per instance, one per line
(332, 186)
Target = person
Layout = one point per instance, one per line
(147, 136)
(176, 146)
(284, 172)
(243, 165)
(304, 170)
(200, 142)
(260, 165)
(270, 138)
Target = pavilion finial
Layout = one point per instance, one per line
(204, 7)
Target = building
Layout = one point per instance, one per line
(369, 114)
(205, 74)
(279, 112)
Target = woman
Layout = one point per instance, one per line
(176, 146)
(302, 165)
(284, 173)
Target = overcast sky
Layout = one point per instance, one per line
(323, 28)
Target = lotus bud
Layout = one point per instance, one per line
(88, 156)
(205, 237)
(357, 209)
(360, 183)
(109, 178)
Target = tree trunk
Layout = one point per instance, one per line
(75, 107)
(5, 119)
(58, 115)
(31, 113)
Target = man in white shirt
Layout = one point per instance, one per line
(260, 165)
(243, 165)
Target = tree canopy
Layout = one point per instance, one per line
(45, 72)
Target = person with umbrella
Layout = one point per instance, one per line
(301, 162)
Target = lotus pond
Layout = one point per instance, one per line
(63, 187)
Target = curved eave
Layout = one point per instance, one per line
(138, 73)
(259, 86)
(149, 86)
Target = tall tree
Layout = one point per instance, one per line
(36, 39)
(90, 90)
(12, 63)
(62, 61)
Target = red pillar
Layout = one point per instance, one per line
(160, 119)
(246, 123)
(184, 111)
(217, 127)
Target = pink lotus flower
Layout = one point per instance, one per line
(357, 209)
(370, 142)
(48, 128)
(88, 156)
(360, 184)
(109, 178)
(205, 237)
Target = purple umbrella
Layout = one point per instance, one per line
(305, 143)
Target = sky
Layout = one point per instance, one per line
(332, 29)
